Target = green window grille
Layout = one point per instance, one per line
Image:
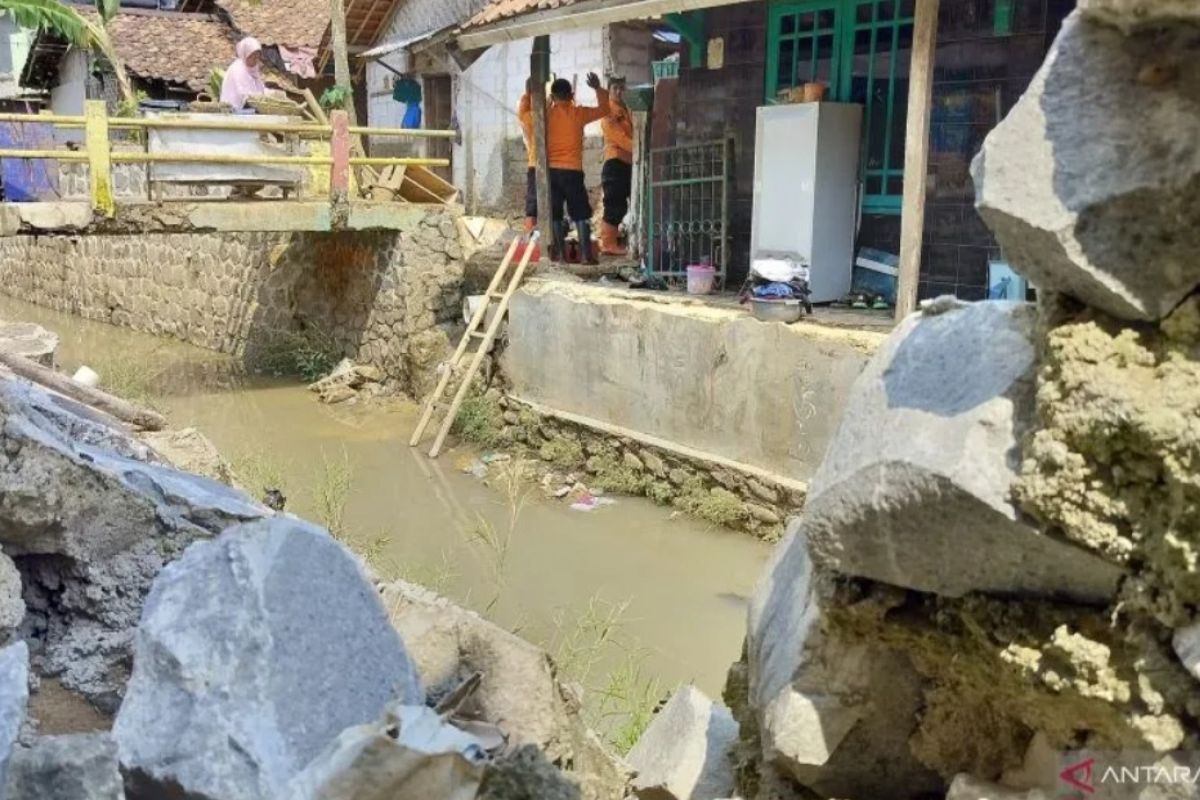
(861, 49)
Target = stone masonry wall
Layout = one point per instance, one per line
(379, 296)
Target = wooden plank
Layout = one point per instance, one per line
(539, 71)
(916, 155)
(99, 157)
(102, 401)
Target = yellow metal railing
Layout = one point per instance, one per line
(100, 156)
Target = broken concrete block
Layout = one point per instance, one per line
(1131, 15)
(1186, 643)
(29, 340)
(411, 754)
(1089, 183)
(686, 753)
(915, 487)
(75, 767)
(826, 702)
(519, 691)
(254, 652)
(190, 450)
(14, 701)
(90, 519)
(12, 606)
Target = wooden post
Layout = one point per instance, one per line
(539, 70)
(916, 155)
(99, 157)
(341, 55)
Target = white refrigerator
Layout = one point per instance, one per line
(806, 184)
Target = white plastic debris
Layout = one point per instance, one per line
(87, 377)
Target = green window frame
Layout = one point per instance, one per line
(824, 40)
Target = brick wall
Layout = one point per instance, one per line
(979, 76)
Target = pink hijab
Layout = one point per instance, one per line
(242, 80)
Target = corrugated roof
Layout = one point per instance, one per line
(293, 23)
(507, 9)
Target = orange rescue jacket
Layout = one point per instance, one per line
(564, 129)
(618, 134)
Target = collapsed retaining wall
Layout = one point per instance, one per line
(714, 380)
(378, 296)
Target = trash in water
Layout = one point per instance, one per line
(495, 458)
(590, 502)
(477, 469)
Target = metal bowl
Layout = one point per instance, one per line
(786, 311)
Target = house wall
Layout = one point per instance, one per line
(68, 95)
(979, 76)
(15, 42)
(490, 161)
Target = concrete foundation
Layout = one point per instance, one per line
(377, 296)
(747, 394)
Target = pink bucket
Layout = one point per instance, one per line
(700, 279)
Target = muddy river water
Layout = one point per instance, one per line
(683, 585)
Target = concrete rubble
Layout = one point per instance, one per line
(278, 600)
(72, 767)
(518, 688)
(918, 478)
(996, 566)
(1089, 183)
(349, 381)
(89, 515)
(14, 699)
(687, 752)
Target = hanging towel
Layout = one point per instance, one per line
(412, 117)
(300, 61)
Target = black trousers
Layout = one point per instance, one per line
(617, 181)
(567, 186)
(531, 193)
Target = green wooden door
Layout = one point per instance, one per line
(861, 49)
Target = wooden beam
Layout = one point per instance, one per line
(539, 71)
(585, 15)
(916, 155)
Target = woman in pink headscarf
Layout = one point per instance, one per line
(243, 78)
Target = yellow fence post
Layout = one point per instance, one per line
(99, 157)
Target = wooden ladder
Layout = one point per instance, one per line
(486, 339)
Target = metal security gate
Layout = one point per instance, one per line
(688, 209)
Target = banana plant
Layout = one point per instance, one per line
(77, 29)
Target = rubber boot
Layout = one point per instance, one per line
(610, 240)
(587, 254)
(560, 241)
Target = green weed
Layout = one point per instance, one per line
(562, 453)
(480, 420)
(330, 493)
(310, 354)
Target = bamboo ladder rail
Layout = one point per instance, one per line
(485, 346)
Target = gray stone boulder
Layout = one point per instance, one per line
(915, 487)
(1090, 182)
(965, 787)
(29, 340)
(822, 701)
(687, 752)
(74, 767)
(518, 692)
(1133, 15)
(90, 515)
(14, 701)
(255, 650)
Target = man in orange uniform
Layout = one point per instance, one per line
(525, 115)
(565, 122)
(617, 175)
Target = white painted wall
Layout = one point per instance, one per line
(68, 95)
(15, 43)
(489, 165)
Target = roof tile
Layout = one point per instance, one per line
(506, 9)
(293, 23)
